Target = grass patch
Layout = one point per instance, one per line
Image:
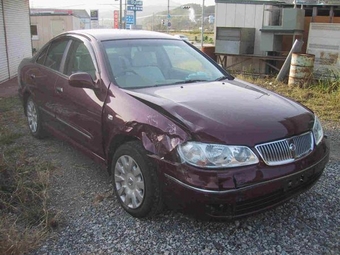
(8, 104)
(322, 97)
(24, 216)
(7, 138)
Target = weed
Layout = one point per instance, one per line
(322, 96)
(14, 239)
(24, 216)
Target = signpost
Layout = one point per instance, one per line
(116, 19)
(135, 6)
(134, 2)
(129, 19)
(94, 14)
(94, 18)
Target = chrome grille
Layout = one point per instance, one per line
(286, 150)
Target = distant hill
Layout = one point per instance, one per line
(148, 9)
(181, 19)
(152, 15)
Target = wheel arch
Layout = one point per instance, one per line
(25, 97)
(115, 142)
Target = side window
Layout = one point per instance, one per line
(55, 54)
(79, 60)
(41, 58)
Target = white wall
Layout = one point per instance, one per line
(4, 75)
(16, 33)
(327, 52)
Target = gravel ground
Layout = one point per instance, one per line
(92, 222)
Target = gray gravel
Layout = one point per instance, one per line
(91, 221)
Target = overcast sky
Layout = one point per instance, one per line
(101, 4)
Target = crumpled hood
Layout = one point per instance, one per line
(231, 112)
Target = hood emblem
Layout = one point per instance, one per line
(292, 148)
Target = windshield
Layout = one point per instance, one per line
(149, 62)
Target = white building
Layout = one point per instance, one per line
(15, 36)
(48, 23)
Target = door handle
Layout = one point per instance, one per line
(32, 76)
(59, 89)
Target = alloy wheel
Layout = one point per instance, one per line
(129, 182)
(32, 116)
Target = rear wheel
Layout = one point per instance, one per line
(34, 119)
(135, 181)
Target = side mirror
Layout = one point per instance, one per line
(81, 80)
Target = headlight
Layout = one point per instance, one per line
(317, 131)
(216, 155)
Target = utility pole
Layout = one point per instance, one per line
(153, 19)
(120, 14)
(125, 16)
(202, 24)
(167, 20)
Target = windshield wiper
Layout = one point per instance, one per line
(188, 81)
(222, 78)
(193, 80)
(180, 82)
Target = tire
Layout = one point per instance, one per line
(34, 120)
(135, 181)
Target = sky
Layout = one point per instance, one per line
(99, 4)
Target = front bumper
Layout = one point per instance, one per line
(249, 198)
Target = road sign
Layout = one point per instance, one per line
(129, 19)
(115, 19)
(169, 24)
(94, 14)
(134, 8)
(134, 2)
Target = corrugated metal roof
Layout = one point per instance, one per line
(47, 11)
(251, 2)
(273, 2)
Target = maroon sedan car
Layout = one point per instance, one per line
(171, 126)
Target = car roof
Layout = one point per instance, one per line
(114, 34)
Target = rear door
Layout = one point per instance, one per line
(42, 75)
(79, 110)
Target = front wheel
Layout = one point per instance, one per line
(34, 119)
(135, 181)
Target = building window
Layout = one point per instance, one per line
(34, 32)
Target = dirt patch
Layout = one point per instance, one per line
(332, 130)
(9, 88)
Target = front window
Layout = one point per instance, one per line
(79, 60)
(55, 54)
(150, 62)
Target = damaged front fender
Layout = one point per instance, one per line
(126, 116)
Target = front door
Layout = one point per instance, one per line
(79, 110)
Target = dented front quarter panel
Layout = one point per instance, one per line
(127, 116)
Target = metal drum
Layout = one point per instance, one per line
(301, 69)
